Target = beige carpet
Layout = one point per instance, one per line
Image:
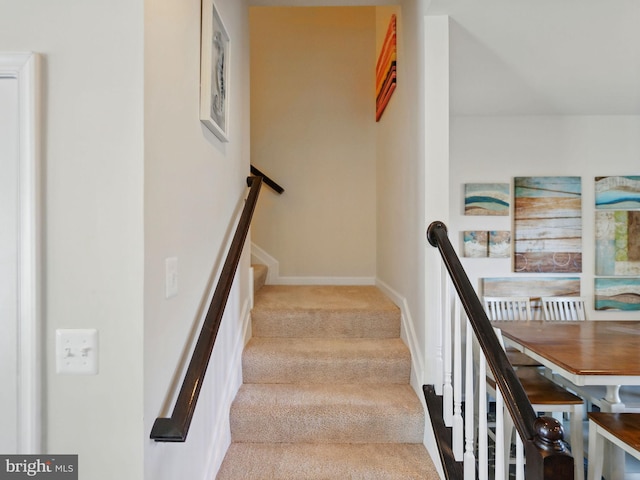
(326, 390)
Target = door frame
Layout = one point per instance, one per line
(25, 68)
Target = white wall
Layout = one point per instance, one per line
(496, 149)
(93, 164)
(412, 171)
(9, 260)
(312, 131)
(194, 189)
(401, 180)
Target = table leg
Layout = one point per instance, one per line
(614, 456)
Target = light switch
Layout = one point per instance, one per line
(77, 351)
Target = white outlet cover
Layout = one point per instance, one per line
(77, 351)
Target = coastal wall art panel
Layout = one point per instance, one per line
(499, 244)
(617, 294)
(476, 243)
(486, 199)
(548, 224)
(482, 244)
(618, 242)
(618, 192)
(532, 287)
(386, 69)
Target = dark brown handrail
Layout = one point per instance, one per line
(268, 181)
(175, 428)
(546, 452)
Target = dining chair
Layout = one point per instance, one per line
(547, 396)
(621, 429)
(563, 308)
(506, 309)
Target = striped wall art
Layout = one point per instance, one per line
(386, 69)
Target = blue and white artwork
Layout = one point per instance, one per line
(499, 244)
(486, 199)
(476, 244)
(618, 192)
(617, 294)
(492, 244)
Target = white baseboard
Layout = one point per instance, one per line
(418, 359)
(258, 255)
(408, 334)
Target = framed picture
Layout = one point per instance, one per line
(386, 69)
(214, 72)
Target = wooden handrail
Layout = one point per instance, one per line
(545, 450)
(176, 427)
(268, 181)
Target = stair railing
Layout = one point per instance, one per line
(267, 180)
(452, 403)
(176, 427)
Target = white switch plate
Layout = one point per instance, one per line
(77, 351)
(171, 277)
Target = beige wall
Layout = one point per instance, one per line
(194, 189)
(313, 131)
(131, 178)
(93, 165)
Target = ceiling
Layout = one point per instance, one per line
(543, 57)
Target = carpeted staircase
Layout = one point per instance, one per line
(326, 391)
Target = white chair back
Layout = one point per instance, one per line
(508, 308)
(563, 308)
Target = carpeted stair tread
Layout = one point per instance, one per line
(324, 311)
(312, 461)
(319, 413)
(326, 360)
(326, 392)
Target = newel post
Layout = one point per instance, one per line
(548, 457)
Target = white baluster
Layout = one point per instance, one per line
(440, 327)
(469, 417)
(499, 445)
(457, 432)
(483, 429)
(519, 458)
(447, 394)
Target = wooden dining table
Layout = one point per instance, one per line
(590, 352)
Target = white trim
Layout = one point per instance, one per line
(408, 334)
(221, 436)
(258, 255)
(25, 68)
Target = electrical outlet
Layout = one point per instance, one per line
(77, 351)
